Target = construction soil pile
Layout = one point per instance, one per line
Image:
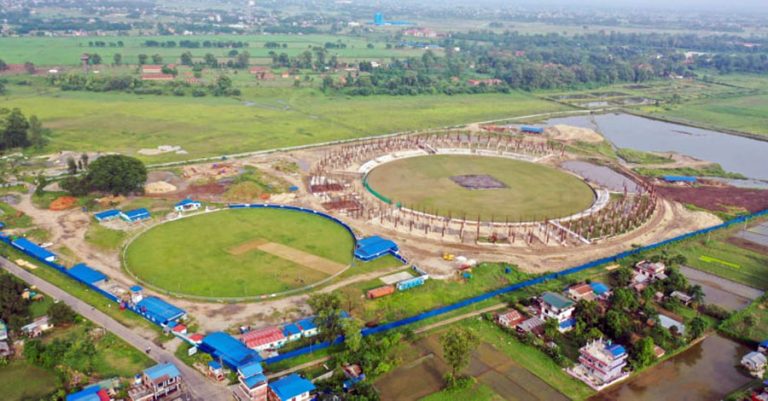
(159, 187)
(568, 133)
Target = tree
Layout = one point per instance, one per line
(60, 313)
(30, 68)
(458, 344)
(38, 135)
(157, 59)
(697, 327)
(623, 276)
(353, 338)
(624, 299)
(117, 174)
(186, 58)
(551, 328)
(644, 353)
(143, 59)
(94, 59)
(328, 312)
(617, 323)
(71, 166)
(13, 308)
(84, 159)
(588, 312)
(14, 130)
(210, 60)
(697, 293)
(117, 59)
(3, 65)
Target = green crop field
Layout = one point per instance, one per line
(533, 191)
(66, 51)
(218, 254)
(262, 119)
(721, 258)
(743, 113)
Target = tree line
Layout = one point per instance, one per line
(18, 131)
(196, 44)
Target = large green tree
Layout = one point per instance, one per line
(117, 174)
(458, 344)
(643, 354)
(327, 309)
(14, 129)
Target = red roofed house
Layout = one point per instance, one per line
(263, 339)
(486, 82)
(152, 69)
(180, 329)
(510, 318)
(580, 291)
(196, 338)
(157, 77)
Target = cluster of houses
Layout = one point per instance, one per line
(141, 214)
(159, 382)
(5, 349)
(152, 72)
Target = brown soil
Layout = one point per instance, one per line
(63, 203)
(749, 245)
(203, 191)
(574, 134)
(246, 247)
(717, 198)
(302, 258)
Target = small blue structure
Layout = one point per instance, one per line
(86, 274)
(679, 178)
(87, 394)
(599, 288)
(228, 350)
(350, 383)
(159, 311)
(763, 346)
(159, 371)
(410, 283)
(531, 130)
(308, 327)
(291, 331)
(616, 350)
(187, 205)
(291, 386)
(374, 247)
(107, 215)
(293, 188)
(133, 216)
(568, 324)
(34, 250)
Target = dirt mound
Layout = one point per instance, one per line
(159, 187)
(717, 198)
(574, 134)
(63, 203)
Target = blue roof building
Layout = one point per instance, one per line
(83, 273)
(374, 247)
(307, 326)
(187, 204)
(92, 393)
(679, 178)
(599, 288)
(107, 215)
(163, 371)
(250, 369)
(291, 386)
(291, 331)
(159, 311)
(229, 350)
(531, 130)
(34, 250)
(133, 216)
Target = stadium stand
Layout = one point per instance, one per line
(374, 247)
(34, 250)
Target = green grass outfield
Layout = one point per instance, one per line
(534, 191)
(20, 381)
(190, 256)
(212, 126)
(752, 267)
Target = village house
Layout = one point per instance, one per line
(671, 324)
(601, 363)
(3, 331)
(510, 319)
(580, 292)
(5, 350)
(216, 371)
(308, 327)
(187, 205)
(755, 362)
(252, 384)
(151, 69)
(157, 77)
(292, 332)
(486, 82)
(763, 347)
(533, 325)
(291, 388)
(37, 327)
(558, 307)
(682, 297)
(158, 382)
(654, 270)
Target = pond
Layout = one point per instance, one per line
(736, 154)
(706, 371)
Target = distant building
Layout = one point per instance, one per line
(755, 362)
(308, 327)
(601, 363)
(187, 205)
(3, 331)
(485, 82)
(654, 270)
(157, 383)
(668, 323)
(581, 292)
(136, 215)
(682, 297)
(291, 388)
(151, 69)
(158, 77)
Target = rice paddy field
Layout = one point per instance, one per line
(22, 381)
(523, 190)
(239, 253)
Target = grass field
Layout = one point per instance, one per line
(104, 238)
(704, 255)
(751, 323)
(741, 113)
(66, 51)
(477, 392)
(195, 256)
(533, 191)
(21, 381)
(262, 118)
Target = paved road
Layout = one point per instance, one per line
(200, 388)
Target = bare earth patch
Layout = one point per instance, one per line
(294, 255)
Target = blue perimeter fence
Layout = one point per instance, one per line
(514, 287)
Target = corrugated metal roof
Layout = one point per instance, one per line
(291, 386)
(87, 274)
(159, 310)
(164, 369)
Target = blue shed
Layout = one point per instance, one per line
(410, 283)
(679, 178)
(374, 247)
(34, 250)
(291, 386)
(107, 215)
(531, 130)
(228, 349)
(135, 215)
(159, 311)
(86, 274)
